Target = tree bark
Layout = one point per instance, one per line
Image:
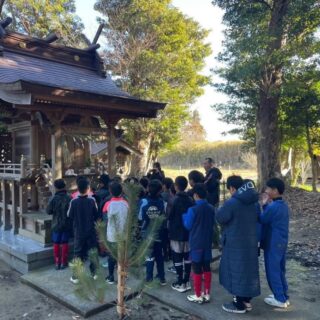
(139, 163)
(312, 156)
(268, 138)
(1, 6)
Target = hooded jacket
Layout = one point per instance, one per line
(239, 268)
(181, 203)
(58, 207)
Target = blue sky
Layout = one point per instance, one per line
(209, 17)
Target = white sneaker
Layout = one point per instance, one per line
(272, 296)
(188, 286)
(74, 280)
(206, 297)
(275, 303)
(194, 298)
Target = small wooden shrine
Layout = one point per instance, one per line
(50, 97)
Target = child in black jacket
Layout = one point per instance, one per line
(179, 235)
(83, 213)
(58, 208)
(153, 208)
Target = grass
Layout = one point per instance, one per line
(306, 187)
(244, 173)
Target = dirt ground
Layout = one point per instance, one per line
(17, 301)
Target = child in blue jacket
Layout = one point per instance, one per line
(199, 220)
(275, 230)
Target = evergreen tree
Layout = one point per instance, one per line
(155, 53)
(39, 18)
(128, 251)
(193, 131)
(262, 38)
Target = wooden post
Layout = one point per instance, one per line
(14, 207)
(13, 147)
(56, 152)
(112, 170)
(5, 202)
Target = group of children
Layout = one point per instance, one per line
(185, 233)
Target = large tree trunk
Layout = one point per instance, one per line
(268, 143)
(268, 139)
(312, 156)
(1, 6)
(139, 164)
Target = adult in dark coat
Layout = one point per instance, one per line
(239, 268)
(212, 181)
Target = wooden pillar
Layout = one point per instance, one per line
(112, 169)
(13, 147)
(34, 158)
(56, 153)
(5, 202)
(14, 208)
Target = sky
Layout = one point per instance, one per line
(209, 17)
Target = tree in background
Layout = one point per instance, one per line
(262, 37)
(193, 131)
(300, 112)
(154, 53)
(39, 18)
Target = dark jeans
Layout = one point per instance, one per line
(155, 256)
(111, 264)
(82, 246)
(240, 302)
(183, 265)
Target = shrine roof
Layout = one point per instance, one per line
(37, 72)
(16, 67)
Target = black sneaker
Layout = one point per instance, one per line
(180, 287)
(172, 269)
(163, 282)
(110, 280)
(232, 308)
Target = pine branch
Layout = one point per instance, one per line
(264, 3)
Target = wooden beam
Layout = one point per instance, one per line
(92, 47)
(51, 37)
(98, 33)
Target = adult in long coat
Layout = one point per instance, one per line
(239, 268)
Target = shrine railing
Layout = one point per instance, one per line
(11, 170)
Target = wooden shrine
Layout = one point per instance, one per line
(50, 97)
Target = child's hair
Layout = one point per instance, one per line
(59, 184)
(157, 165)
(173, 190)
(132, 180)
(235, 182)
(154, 188)
(83, 185)
(276, 183)
(115, 189)
(117, 179)
(80, 178)
(104, 179)
(245, 181)
(144, 181)
(167, 182)
(181, 183)
(200, 190)
(196, 176)
(210, 160)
